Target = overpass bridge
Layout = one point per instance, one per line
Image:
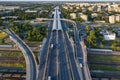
(79, 45)
(31, 64)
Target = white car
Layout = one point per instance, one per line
(80, 65)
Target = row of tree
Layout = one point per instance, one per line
(30, 33)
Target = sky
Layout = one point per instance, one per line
(59, 0)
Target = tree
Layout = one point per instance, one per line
(1, 41)
(113, 46)
(116, 41)
(79, 19)
(97, 31)
(0, 21)
(100, 37)
(66, 13)
(29, 32)
(87, 29)
(91, 39)
(109, 28)
(97, 18)
(29, 35)
(101, 45)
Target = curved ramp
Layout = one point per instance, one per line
(29, 56)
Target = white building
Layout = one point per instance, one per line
(65, 7)
(98, 8)
(73, 15)
(10, 17)
(117, 18)
(84, 17)
(31, 11)
(112, 19)
(90, 8)
(11, 7)
(94, 15)
(1, 7)
(108, 35)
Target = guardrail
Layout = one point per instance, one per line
(86, 69)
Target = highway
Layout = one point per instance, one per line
(47, 55)
(81, 54)
(59, 62)
(43, 56)
(58, 59)
(52, 59)
(57, 67)
(71, 55)
(64, 65)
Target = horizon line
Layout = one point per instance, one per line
(57, 1)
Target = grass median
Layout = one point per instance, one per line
(14, 54)
(105, 68)
(20, 65)
(104, 58)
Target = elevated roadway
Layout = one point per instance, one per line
(75, 72)
(64, 63)
(43, 55)
(80, 53)
(59, 62)
(31, 65)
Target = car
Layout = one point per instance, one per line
(49, 77)
(80, 65)
(51, 45)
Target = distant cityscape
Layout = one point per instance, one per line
(61, 40)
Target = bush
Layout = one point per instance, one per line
(1, 41)
(101, 46)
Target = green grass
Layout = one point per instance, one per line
(21, 65)
(102, 67)
(11, 53)
(117, 24)
(34, 44)
(104, 58)
(14, 54)
(108, 43)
